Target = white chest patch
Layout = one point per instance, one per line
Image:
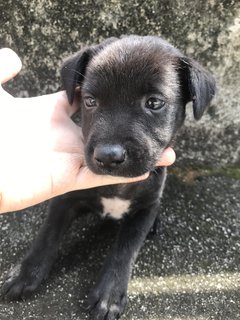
(115, 207)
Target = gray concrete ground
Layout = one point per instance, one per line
(190, 270)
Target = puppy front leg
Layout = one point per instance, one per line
(34, 268)
(109, 297)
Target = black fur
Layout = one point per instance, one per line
(124, 137)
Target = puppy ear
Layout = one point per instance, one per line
(74, 68)
(198, 86)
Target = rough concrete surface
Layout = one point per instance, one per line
(44, 32)
(190, 270)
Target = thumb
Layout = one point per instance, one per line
(167, 158)
(10, 64)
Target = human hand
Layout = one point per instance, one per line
(42, 148)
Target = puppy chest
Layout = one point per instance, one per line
(115, 207)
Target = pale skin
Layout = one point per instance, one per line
(42, 148)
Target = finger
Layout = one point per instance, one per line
(106, 180)
(60, 100)
(168, 157)
(87, 179)
(10, 64)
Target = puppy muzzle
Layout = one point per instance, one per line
(109, 156)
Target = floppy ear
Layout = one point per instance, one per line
(74, 67)
(72, 72)
(198, 86)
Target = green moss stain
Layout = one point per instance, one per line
(188, 175)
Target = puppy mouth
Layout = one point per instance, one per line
(119, 172)
(121, 165)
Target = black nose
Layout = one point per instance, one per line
(109, 155)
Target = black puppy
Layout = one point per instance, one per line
(133, 96)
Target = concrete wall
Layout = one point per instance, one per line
(43, 32)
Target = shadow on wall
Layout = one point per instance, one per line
(188, 270)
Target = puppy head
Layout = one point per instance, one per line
(133, 96)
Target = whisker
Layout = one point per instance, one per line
(81, 74)
(78, 72)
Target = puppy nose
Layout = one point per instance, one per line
(109, 155)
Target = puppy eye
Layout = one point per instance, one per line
(154, 103)
(90, 102)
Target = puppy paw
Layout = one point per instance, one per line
(154, 231)
(21, 282)
(107, 301)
